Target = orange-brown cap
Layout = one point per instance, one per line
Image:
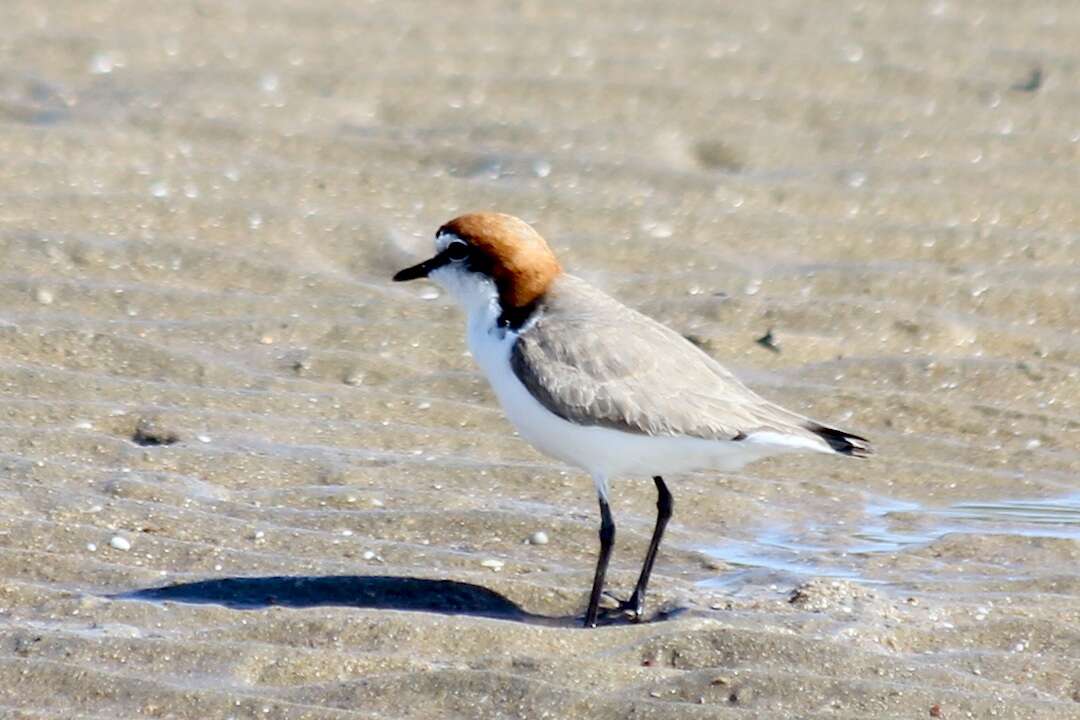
(521, 263)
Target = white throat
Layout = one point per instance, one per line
(475, 293)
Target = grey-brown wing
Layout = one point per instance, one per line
(616, 368)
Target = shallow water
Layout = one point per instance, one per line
(775, 559)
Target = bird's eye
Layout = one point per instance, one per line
(457, 251)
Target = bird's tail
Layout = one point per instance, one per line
(842, 442)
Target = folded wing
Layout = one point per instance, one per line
(593, 361)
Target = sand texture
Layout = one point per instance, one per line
(209, 384)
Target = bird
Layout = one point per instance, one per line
(600, 386)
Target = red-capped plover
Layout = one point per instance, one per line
(598, 385)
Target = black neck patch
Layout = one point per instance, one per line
(515, 318)
(511, 318)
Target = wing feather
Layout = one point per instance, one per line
(593, 361)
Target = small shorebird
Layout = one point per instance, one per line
(592, 383)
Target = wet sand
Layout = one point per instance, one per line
(206, 374)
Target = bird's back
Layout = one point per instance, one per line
(594, 361)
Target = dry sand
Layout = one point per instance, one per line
(201, 204)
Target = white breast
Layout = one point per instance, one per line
(600, 451)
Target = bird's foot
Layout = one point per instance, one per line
(632, 609)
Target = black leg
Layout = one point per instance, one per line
(665, 505)
(607, 541)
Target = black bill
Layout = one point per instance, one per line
(423, 269)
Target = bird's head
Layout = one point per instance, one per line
(481, 256)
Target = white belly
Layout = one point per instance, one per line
(600, 451)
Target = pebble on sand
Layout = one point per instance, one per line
(494, 564)
(538, 538)
(120, 542)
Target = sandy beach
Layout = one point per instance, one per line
(244, 475)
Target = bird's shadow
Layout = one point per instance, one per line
(380, 592)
